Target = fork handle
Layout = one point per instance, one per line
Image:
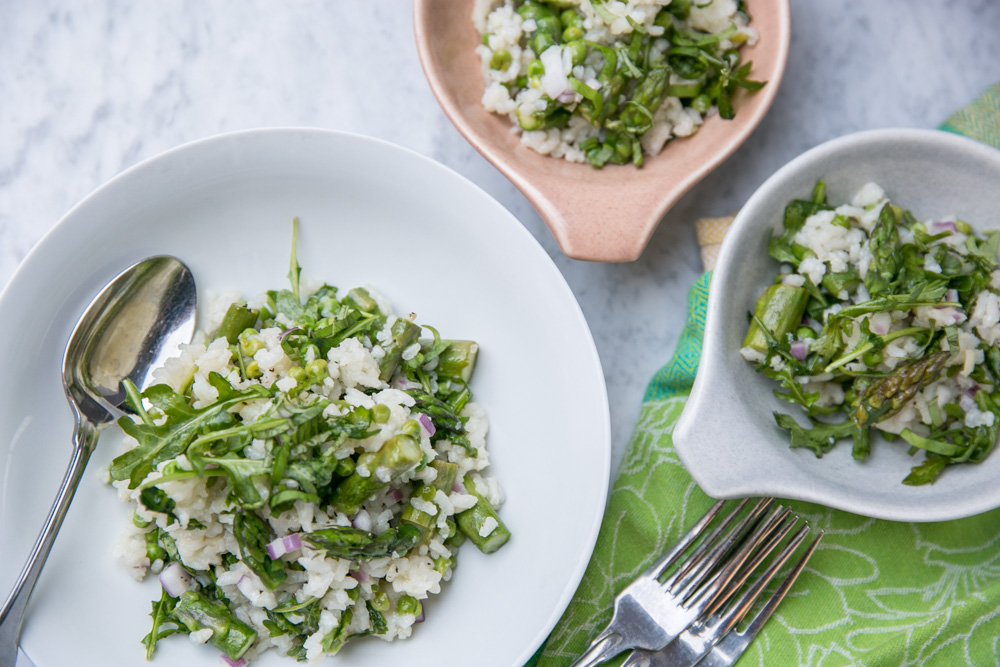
(606, 645)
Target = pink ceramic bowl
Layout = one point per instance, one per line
(605, 215)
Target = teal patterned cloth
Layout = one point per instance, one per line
(876, 593)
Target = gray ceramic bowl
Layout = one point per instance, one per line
(727, 438)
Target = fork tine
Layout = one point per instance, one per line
(782, 524)
(738, 610)
(662, 563)
(734, 644)
(704, 596)
(758, 622)
(716, 546)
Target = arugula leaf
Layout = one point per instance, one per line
(821, 437)
(163, 623)
(159, 443)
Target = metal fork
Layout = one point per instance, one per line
(715, 633)
(734, 644)
(649, 614)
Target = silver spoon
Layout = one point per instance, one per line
(130, 328)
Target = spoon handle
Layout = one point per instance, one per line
(85, 439)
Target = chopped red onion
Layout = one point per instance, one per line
(554, 80)
(175, 579)
(284, 333)
(943, 226)
(427, 423)
(879, 323)
(396, 495)
(458, 487)
(405, 383)
(951, 295)
(950, 312)
(245, 586)
(966, 402)
(420, 616)
(284, 545)
(242, 662)
(362, 520)
(799, 349)
(360, 575)
(568, 96)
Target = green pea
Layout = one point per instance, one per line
(253, 370)
(541, 41)
(702, 103)
(571, 18)
(578, 51)
(872, 358)
(486, 38)
(297, 373)
(427, 492)
(153, 549)
(249, 345)
(381, 413)
(535, 68)
(411, 428)
(500, 59)
(663, 19)
(345, 467)
(804, 332)
(442, 564)
(354, 593)
(380, 601)
(409, 605)
(317, 368)
(572, 33)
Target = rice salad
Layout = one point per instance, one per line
(609, 81)
(304, 474)
(878, 320)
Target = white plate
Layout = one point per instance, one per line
(370, 213)
(727, 438)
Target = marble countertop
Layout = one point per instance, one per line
(90, 89)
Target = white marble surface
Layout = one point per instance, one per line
(88, 89)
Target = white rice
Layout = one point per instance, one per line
(837, 240)
(203, 529)
(503, 28)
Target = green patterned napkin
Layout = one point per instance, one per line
(875, 592)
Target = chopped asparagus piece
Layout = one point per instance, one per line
(229, 634)
(474, 520)
(397, 455)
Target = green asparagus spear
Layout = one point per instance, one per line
(637, 116)
(447, 473)
(229, 634)
(780, 309)
(883, 243)
(356, 544)
(458, 360)
(887, 396)
(397, 455)
(237, 318)
(403, 334)
(252, 535)
(476, 518)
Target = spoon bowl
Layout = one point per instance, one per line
(608, 214)
(136, 322)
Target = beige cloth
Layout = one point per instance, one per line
(710, 233)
